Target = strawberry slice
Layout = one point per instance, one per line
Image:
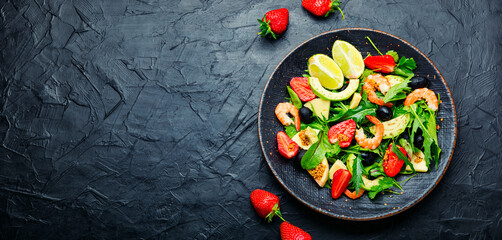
(391, 163)
(341, 179)
(287, 147)
(343, 133)
(383, 63)
(301, 87)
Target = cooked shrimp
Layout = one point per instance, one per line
(420, 94)
(370, 143)
(282, 110)
(369, 87)
(381, 83)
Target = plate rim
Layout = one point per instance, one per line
(331, 214)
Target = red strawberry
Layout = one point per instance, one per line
(343, 133)
(287, 147)
(274, 23)
(266, 204)
(391, 163)
(383, 63)
(322, 7)
(341, 179)
(292, 232)
(301, 87)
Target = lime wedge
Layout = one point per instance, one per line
(326, 70)
(348, 58)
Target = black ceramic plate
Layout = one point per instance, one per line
(298, 182)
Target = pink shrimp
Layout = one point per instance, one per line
(370, 87)
(420, 94)
(282, 110)
(370, 143)
(381, 83)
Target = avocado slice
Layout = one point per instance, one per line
(336, 166)
(368, 184)
(393, 127)
(350, 162)
(394, 79)
(356, 99)
(320, 173)
(306, 138)
(323, 93)
(320, 107)
(418, 162)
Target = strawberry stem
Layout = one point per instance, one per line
(280, 216)
(339, 9)
(265, 28)
(275, 212)
(369, 39)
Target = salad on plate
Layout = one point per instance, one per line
(355, 124)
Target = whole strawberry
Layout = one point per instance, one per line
(322, 7)
(292, 232)
(266, 204)
(274, 23)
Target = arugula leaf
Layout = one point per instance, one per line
(358, 113)
(383, 184)
(314, 154)
(393, 54)
(294, 98)
(357, 174)
(421, 121)
(393, 92)
(401, 156)
(426, 121)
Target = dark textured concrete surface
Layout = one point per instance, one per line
(126, 119)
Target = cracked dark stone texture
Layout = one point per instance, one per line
(137, 119)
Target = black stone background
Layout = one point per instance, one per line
(124, 119)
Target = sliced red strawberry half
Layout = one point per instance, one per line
(391, 163)
(287, 147)
(301, 87)
(341, 179)
(343, 133)
(383, 63)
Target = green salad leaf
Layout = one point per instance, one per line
(358, 113)
(314, 154)
(401, 156)
(290, 130)
(357, 174)
(397, 92)
(383, 184)
(405, 67)
(393, 54)
(425, 119)
(294, 98)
